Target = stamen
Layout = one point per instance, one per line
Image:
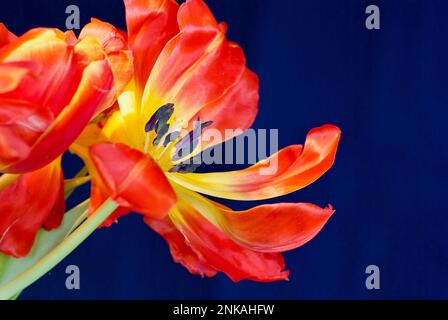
(185, 168)
(170, 138)
(189, 142)
(146, 147)
(163, 114)
(159, 123)
(185, 146)
(161, 129)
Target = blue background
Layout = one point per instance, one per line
(386, 89)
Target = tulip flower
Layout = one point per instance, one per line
(51, 86)
(188, 78)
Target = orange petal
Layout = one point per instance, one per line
(71, 79)
(58, 74)
(99, 193)
(21, 124)
(241, 100)
(217, 251)
(276, 227)
(180, 250)
(115, 44)
(150, 24)
(287, 171)
(5, 35)
(195, 13)
(196, 67)
(33, 201)
(133, 179)
(95, 90)
(12, 74)
(54, 220)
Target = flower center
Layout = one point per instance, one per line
(165, 135)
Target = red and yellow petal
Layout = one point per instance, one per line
(71, 79)
(114, 42)
(13, 73)
(133, 179)
(241, 100)
(5, 36)
(99, 193)
(276, 227)
(195, 13)
(151, 24)
(54, 220)
(50, 49)
(21, 124)
(94, 91)
(214, 250)
(288, 170)
(180, 250)
(196, 67)
(33, 201)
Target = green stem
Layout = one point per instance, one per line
(78, 180)
(16, 296)
(55, 256)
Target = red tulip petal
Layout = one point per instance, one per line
(216, 250)
(195, 13)
(111, 38)
(115, 44)
(287, 171)
(180, 250)
(196, 67)
(241, 100)
(276, 227)
(28, 204)
(12, 74)
(133, 179)
(94, 91)
(99, 193)
(5, 36)
(58, 75)
(150, 24)
(21, 124)
(54, 220)
(72, 79)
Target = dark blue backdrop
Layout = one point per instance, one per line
(318, 64)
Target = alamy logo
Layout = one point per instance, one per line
(373, 20)
(373, 280)
(73, 21)
(240, 147)
(73, 281)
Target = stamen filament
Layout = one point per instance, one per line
(147, 143)
(163, 152)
